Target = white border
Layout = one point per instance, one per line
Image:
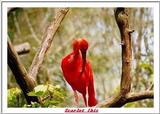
(82, 0)
(71, 4)
(0, 65)
(79, 4)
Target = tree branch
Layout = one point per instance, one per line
(132, 97)
(22, 48)
(10, 9)
(25, 82)
(121, 16)
(119, 101)
(46, 43)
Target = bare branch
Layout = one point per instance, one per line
(22, 48)
(121, 16)
(25, 82)
(11, 9)
(132, 97)
(46, 43)
(16, 23)
(119, 101)
(151, 87)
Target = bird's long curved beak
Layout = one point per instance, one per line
(84, 61)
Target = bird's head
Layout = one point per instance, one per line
(82, 45)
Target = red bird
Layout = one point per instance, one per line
(78, 73)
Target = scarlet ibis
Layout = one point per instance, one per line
(77, 72)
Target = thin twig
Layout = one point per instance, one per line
(31, 28)
(16, 23)
(46, 17)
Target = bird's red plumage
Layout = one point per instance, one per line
(83, 83)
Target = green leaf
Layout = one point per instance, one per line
(51, 88)
(40, 93)
(132, 104)
(40, 88)
(55, 95)
(32, 93)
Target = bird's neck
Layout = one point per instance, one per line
(76, 53)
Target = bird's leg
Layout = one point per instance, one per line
(85, 100)
(76, 98)
(84, 96)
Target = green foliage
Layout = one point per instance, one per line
(132, 104)
(146, 66)
(39, 90)
(10, 34)
(14, 96)
(117, 90)
(33, 105)
(51, 96)
(147, 70)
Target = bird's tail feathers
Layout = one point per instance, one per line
(91, 95)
